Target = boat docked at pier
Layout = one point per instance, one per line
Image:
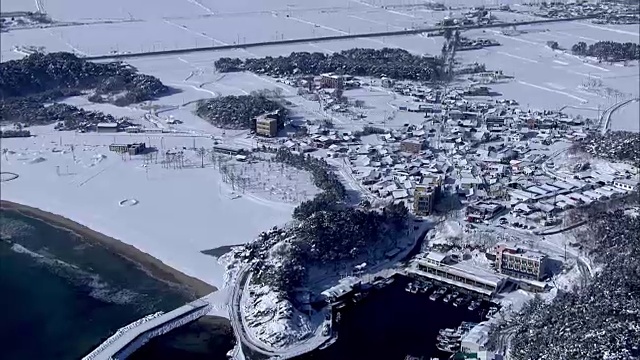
(438, 293)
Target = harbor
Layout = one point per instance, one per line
(370, 323)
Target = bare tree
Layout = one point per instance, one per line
(201, 152)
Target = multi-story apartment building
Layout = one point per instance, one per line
(425, 196)
(527, 264)
(267, 126)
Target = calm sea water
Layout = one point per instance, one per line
(391, 323)
(61, 296)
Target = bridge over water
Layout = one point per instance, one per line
(131, 337)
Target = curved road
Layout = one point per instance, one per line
(606, 115)
(243, 338)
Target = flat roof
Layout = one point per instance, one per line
(486, 205)
(452, 282)
(468, 272)
(107, 125)
(436, 256)
(478, 335)
(524, 253)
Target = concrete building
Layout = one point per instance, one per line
(331, 80)
(266, 126)
(131, 149)
(425, 196)
(107, 127)
(411, 146)
(269, 124)
(436, 267)
(522, 263)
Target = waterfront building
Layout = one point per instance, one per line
(438, 267)
(475, 340)
(522, 263)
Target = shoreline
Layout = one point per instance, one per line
(149, 264)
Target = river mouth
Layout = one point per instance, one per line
(392, 323)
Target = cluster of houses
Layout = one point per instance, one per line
(609, 12)
(492, 154)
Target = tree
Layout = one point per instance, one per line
(201, 152)
(579, 48)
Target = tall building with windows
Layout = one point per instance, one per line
(267, 126)
(521, 263)
(425, 195)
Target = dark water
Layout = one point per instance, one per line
(392, 323)
(60, 297)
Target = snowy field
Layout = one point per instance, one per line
(544, 78)
(172, 214)
(548, 79)
(138, 27)
(90, 191)
(630, 111)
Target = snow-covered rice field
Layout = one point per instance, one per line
(177, 213)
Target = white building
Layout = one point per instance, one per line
(625, 184)
(435, 266)
(476, 339)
